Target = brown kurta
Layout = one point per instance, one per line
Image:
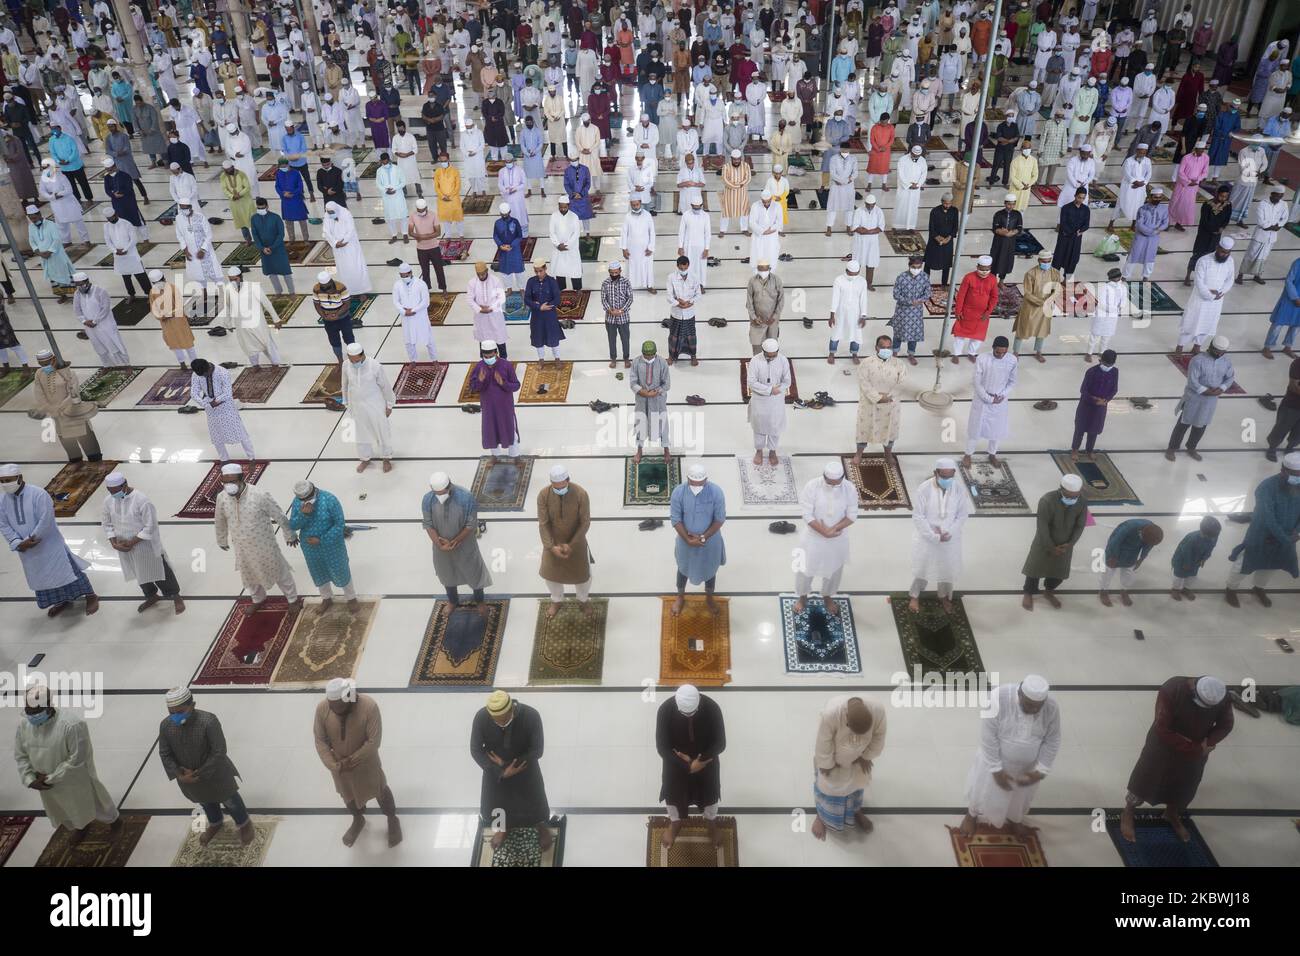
(1170, 768)
(735, 194)
(167, 305)
(356, 733)
(58, 396)
(1040, 289)
(564, 519)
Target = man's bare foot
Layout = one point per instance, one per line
(552, 609)
(362, 465)
(1190, 595)
(758, 458)
(946, 604)
(76, 836)
(247, 832)
(636, 459)
(678, 605)
(544, 838)
(388, 466)
(668, 457)
(914, 605)
(800, 604)
(148, 602)
(856, 460)
(819, 829)
(1105, 599)
(92, 604)
(1021, 829)
(967, 828)
(993, 460)
(674, 827)
(1176, 594)
(830, 359)
(1052, 599)
(326, 603)
(965, 460)
(773, 458)
(1127, 829)
(179, 606)
(1027, 602)
(1259, 593)
(482, 609)
(1074, 455)
(1125, 599)
(354, 831)
(498, 838)
(1176, 823)
(587, 608)
(857, 359)
(712, 605)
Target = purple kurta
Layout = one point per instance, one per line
(377, 120)
(1191, 170)
(1149, 222)
(497, 401)
(1090, 417)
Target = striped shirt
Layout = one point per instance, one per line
(331, 304)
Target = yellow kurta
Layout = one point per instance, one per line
(781, 193)
(243, 208)
(879, 379)
(735, 193)
(167, 305)
(446, 183)
(1024, 176)
(1040, 288)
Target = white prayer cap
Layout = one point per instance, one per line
(1220, 342)
(47, 163)
(871, 199)
(1086, 148)
(421, 204)
(1034, 687)
(984, 261)
(155, 275)
(44, 354)
(586, 117)
(688, 699)
(559, 473)
(487, 345)
(563, 200)
(234, 272)
(115, 479)
(1227, 242)
(771, 345)
(503, 208)
(306, 86)
(852, 265)
(355, 348)
(833, 470)
(303, 489)
(615, 265)
(777, 167)
(177, 696)
(37, 695)
(439, 480)
(404, 268)
(31, 210)
(1202, 143)
(1145, 146)
(1157, 190)
(697, 472)
(232, 469)
(765, 194)
(1071, 483)
(1033, 84)
(945, 464)
(173, 165)
(916, 150)
(228, 164)
(735, 154)
(107, 161)
(323, 276)
(80, 277)
(1009, 197)
(1210, 691)
(1291, 461)
(1236, 102)
(341, 688)
(11, 470)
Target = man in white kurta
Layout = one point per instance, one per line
(839, 196)
(765, 230)
(391, 185)
(1018, 746)
(55, 189)
(369, 400)
(245, 519)
(768, 378)
(349, 260)
(404, 155)
(939, 511)
(848, 311)
(411, 300)
(637, 241)
(992, 384)
(244, 308)
(565, 232)
(1133, 187)
(487, 300)
(1270, 217)
(94, 310)
(880, 377)
(194, 236)
(911, 173)
(1211, 281)
(211, 390)
(693, 236)
(690, 181)
(182, 186)
(239, 150)
(1080, 171)
(850, 735)
(586, 139)
(512, 183)
(867, 224)
(641, 178)
(27, 524)
(121, 238)
(474, 166)
(130, 524)
(829, 505)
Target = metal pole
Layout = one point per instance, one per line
(31, 289)
(829, 47)
(936, 399)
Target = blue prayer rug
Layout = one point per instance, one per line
(817, 641)
(515, 310)
(1157, 844)
(1027, 244)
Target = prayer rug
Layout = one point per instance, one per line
(695, 645)
(525, 248)
(651, 482)
(320, 254)
(168, 215)
(63, 291)
(514, 309)
(1101, 196)
(934, 642)
(1027, 244)
(256, 383)
(777, 96)
(460, 645)
(419, 382)
(961, 158)
(14, 381)
(905, 242)
(677, 201)
(856, 145)
(521, 847)
(476, 205)
(767, 484)
(545, 382)
(454, 250)
(1103, 484)
(570, 647)
(879, 482)
(372, 169)
(494, 166)
(993, 114)
(141, 248)
(267, 175)
(993, 488)
(326, 642)
(711, 162)
(243, 255)
(670, 165)
(1047, 195)
(129, 312)
(597, 201)
(744, 383)
(172, 388)
(1160, 300)
(101, 846)
(935, 143)
(359, 153)
(756, 148)
(1157, 844)
(608, 164)
(327, 387)
(248, 646)
(1161, 154)
(11, 831)
(440, 304)
(1125, 236)
(176, 259)
(202, 504)
(75, 483)
(589, 247)
(1009, 299)
(225, 849)
(1293, 228)
(107, 383)
(1182, 360)
(285, 306)
(818, 640)
(991, 847)
(557, 166)
(467, 395)
(937, 304)
(692, 848)
(573, 304)
(300, 249)
(501, 484)
(1079, 305)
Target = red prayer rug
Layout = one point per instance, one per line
(1048, 195)
(203, 503)
(419, 382)
(608, 163)
(249, 646)
(1182, 360)
(777, 96)
(172, 388)
(937, 304)
(744, 383)
(557, 166)
(11, 831)
(573, 304)
(992, 847)
(525, 248)
(454, 250)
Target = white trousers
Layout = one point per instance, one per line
(1097, 344)
(272, 354)
(830, 585)
(973, 443)
(959, 345)
(918, 585)
(285, 584)
(396, 227)
(762, 441)
(225, 455)
(1258, 579)
(185, 355)
(583, 591)
(1184, 583)
(744, 223)
(19, 352)
(1187, 338)
(65, 231)
(349, 590)
(1126, 578)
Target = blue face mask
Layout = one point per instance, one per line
(119, 495)
(885, 354)
(37, 719)
(944, 482)
(178, 719)
(490, 361)
(561, 491)
(47, 369)
(1293, 479)
(1068, 502)
(1044, 266)
(1200, 114)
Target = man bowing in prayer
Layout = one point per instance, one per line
(506, 741)
(698, 509)
(830, 506)
(1018, 745)
(130, 523)
(245, 518)
(850, 736)
(768, 379)
(53, 572)
(690, 735)
(370, 400)
(348, 730)
(1270, 542)
(939, 512)
(317, 517)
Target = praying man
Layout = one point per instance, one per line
(850, 736)
(317, 517)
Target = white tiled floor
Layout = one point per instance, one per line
(599, 764)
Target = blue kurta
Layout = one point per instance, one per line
(268, 233)
(1286, 312)
(288, 186)
(52, 571)
(1149, 222)
(1193, 551)
(507, 231)
(122, 92)
(66, 152)
(543, 325)
(577, 183)
(44, 237)
(1125, 547)
(121, 193)
(530, 141)
(1268, 545)
(1204, 371)
(1227, 123)
(327, 561)
(696, 513)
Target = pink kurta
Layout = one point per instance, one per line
(1182, 208)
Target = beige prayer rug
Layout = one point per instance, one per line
(320, 254)
(767, 484)
(991, 847)
(695, 645)
(226, 849)
(545, 382)
(249, 645)
(476, 205)
(325, 643)
(905, 242)
(467, 394)
(651, 482)
(255, 384)
(75, 483)
(461, 645)
(107, 383)
(14, 381)
(879, 482)
(993, 489)
(501, 484)
(440, 304)
(790, 397)
(101, 846)
(692, 848)
(521, 847)
(327, 388)
(570, 647)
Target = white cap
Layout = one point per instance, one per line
(155, 275)
(1157, 190)
(31, 210)
(771, 345)
(115, 479)
(234, 272)
(871, 199)
(1072, 483)
(10, 471)
(487, 345)
(303, 488)
(232, 128)
(421, 204)
(697, 472)
(615, 264)
(1033, 84)
(1291, 461)
(1034, 687)
(945, 464)
(107, 161)
(688, 699)
(439, 480)
(340, 688)
(323, 276)
(916, 150)
(559, 473)
(1086, 148)
(1210, 691)
(735, 154)
(177, 696)
(503, 208)
(355, 348)
(232, 469)
(80, 277)
(984, 261)
(1220, 342)
(1227, 242)
(777, 167)
(852, 266)
(1009, 197)
(765, 194)
(833, 470)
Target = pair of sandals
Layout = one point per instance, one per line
(596, 405)
(718, 322)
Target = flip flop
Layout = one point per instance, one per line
(650, 524)
(782, 527)
(1045, 405)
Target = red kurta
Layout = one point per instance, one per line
(980, 32)
(977, 297)
(882, 145)
(1190, 88)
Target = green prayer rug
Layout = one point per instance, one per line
(934, 641)
(569, 648)
(589, 248)
(651, 482)
(107, 383)
(243, 255)
(1102, 481)
(1148, 296)
(286, 305)
(13, 382)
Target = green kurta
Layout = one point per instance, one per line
(1057, 525)
(243, 208)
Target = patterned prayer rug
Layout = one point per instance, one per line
(440, 304)
(669, 165)
(526, 248)
(608, 164)
(225, 849)
(327, 387)
(570, 647)
(677, 201)
(557, 166)
(107, 383)
(371, 170)
(129, 312)
(597, 200)
(545, 382)
(905, 242)
(172, 388)
(767, 484)
(651, 482)
(932, 641)
(14, 381)
(501, 484)
(1079, 305)
(777, 96)
(419, 382)
(1182, 360)
(248, 646)
(1009, 299)
(991, 847)
(695, 645)
(589, 248)
(320, 254)
(11, 831)
(1125, 235)
(1101, 196)
(961, 158)
(243, 255)
(856, 145)
(692, 848)
(521, 847)
(1047, 195)
(285, 306)
(267, 175)
(455, 250)
(467, 395)
(101, 846)
(879, 482)
(1154, 300)
(360, 304)
(300, 250)
(202, 505)
(1157, 844)
(360, 153)
(75, 483)
(757, 148)
(573, 304)
(168, 215)
(744, 382)
(514, 309)
(1161, 154)
(1103, 483)
(141, 248)
(994, 115)
(1027, 244)
(712, 163)
(818, 640)
(256, 383)
(937, 304)
(325, 643)
(494, 166)
(993, 488)
(460, 645)
(476, 205)
(63, 291)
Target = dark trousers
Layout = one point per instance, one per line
(898, 341)
(564, 145)
(130, 128)
(615, 333)
(305, 175)
(1078, 437)
(943, 275)
(234, 804)
(709, 585)
(437, 142)
(339, 331)
(1287, 426)
(1180, 429)
(453, 596)
(577, 283)
(432, 257)
(1000, 163)
(87, 444)
(169, 586)
(24, 134)
(1031, 584)
(141, 278)
(412, 78)
(77, 177)
(140, 187)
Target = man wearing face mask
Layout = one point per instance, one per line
(880, 379)
(317, 517)
(130, 523)
(451, 522)
(246, 519)
(939, 512)
(43, 237)
(192, 748)
(1042, 290)
(1212, 280)
(1270, 542)
(92, 308)
(1209, 375)
(446, 186)
(495, 383)
(57, 397)
(1062, 517)
(563, 520)
(830, 507)
(1100, 384)
(994, 379)
(768, 378)
(411, 300)
(698, 510)
(369, 400)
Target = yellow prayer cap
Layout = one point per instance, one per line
(498, 703)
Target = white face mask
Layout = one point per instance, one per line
(232, 487)
(261, 212)
(9, 487)
(442, 496)
(696, 489)
(916, 270)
